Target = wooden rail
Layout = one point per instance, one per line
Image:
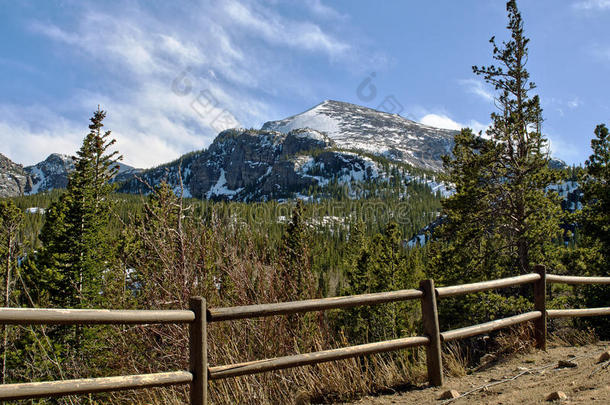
(486, 285)
(322, 304)
(569, 313)
(199, 315)
(489, 326)
(552, 278)
(93, 385)
(260, 366)
(27, 316)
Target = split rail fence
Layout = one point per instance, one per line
(199, 316)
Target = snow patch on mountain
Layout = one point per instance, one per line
(360, 128)
(220, 189)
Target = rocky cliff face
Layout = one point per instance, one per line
(332, 142)
(13, 178)
(252, 165)
(50, 173)
(47, 175)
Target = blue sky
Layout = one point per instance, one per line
(171, 74)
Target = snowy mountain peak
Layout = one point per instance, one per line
(356, 127)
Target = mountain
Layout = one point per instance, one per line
(50, 173)
(47, 175)
(360, 128)
(333, 144)
(13, 178)
(254, 165)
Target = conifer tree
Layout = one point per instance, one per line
(11, 221)
(295, 256)
(596, 192)
(595, 183)
(76, 248)
(502, 219)
(380, 266)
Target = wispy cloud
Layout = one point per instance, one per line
(319, 8)
(277, 30)
(227, 51)
(574, 103)
(30, 141)
(558, 147)
(562, 105)
(478, 88)
(592, 5)
(443, 121)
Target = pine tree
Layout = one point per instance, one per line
(11, 221)
(381, 265)
(596, 192)
(595, 183)
(502, 219)
(295, 256)
(76, 248)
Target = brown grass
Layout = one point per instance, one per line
(224, 265)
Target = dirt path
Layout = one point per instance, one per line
(537, 376)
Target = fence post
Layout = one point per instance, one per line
(540, 305)
(431, 330)
(198, 345)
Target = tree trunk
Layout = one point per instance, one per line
(7, 302)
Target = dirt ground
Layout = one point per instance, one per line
(536, 374)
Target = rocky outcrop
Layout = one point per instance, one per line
(14, 180)
(252, 165)
(51, 173)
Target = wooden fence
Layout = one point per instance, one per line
(199, 316)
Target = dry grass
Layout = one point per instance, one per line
(455, 360)
(569, 336)
(184, 262)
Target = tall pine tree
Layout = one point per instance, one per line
(596, 193)
(11, 222)
(502, 218)
(295, 256)
(75, 240)
(595, 183)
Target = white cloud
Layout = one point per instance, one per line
(440, 121)
(562, 149)
(443, 121)
(164, 80)
(561, 105)
(574, 103)
(478, 88)
(277, 30)
(29, 141)
(592, 5)
(322, 10)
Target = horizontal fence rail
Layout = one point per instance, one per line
(487, 327)
(199, 316)
(39, 316)
(486, 285)
(92, 385)
(260, 366)
(552, 278)
(568, 313)
(322, 304)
